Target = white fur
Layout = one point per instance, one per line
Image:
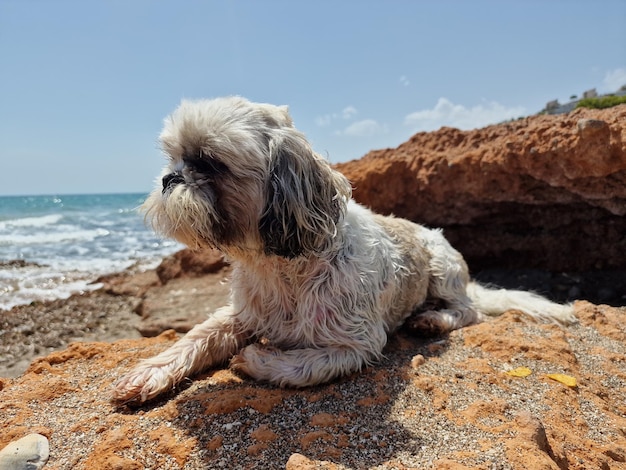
(319, 282)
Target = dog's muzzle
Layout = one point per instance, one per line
(171, 180)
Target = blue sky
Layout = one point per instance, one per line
(85, 85)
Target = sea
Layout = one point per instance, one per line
(54, 246)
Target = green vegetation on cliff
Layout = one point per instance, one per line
(601, 102)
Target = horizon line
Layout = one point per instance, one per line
(97, 193)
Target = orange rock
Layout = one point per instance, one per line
(215, 443)
(322, 419)
(190, 263)
(526, 193)
(309, 438)
(264, 434)
(300, 462)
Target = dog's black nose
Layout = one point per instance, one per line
(171, 180)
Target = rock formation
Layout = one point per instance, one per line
(540, 192)
(185, 288)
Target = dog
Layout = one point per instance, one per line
(319, 282)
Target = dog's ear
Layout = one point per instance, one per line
(305, 198)
(276, 116)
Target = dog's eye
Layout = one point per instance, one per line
(207, 166)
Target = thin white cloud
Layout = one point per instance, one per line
(327, 119)
(364, 128)
(349, 112)
(404, 80)
(615, 79)
(446, 113)
(324, 121)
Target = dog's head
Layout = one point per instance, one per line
(241, 177)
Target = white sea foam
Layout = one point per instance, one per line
(40, 283)
(24, 284)
(73, 240)
(70, 234)
(41, 221)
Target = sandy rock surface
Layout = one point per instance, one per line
(439, 403)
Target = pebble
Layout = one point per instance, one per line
(417, 361)
(28, 453)
(591, 126)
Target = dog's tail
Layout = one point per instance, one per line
(493, 302)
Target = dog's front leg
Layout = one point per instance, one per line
(299, 367)
(207, 344)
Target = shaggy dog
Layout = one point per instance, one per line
(319, 282)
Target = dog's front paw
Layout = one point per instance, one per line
(142, 383)
(253, 360)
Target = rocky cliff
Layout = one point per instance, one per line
(544, 191)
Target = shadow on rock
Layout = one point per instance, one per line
(349, 422)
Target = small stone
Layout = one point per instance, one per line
(299, 462)
(323, 419)
(28, 453)
(417, 361)
(590, 126)
(264, 434)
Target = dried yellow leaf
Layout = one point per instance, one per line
(564, 379)
(519, 372)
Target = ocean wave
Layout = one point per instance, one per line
(41, 284)
(41, 221)
(22, 283)
(59, 246)
(52, 237)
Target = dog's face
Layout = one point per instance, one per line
(241, 178)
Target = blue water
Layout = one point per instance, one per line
(69, 241)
